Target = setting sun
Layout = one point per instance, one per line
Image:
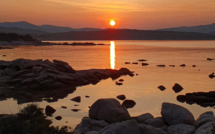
(112, 23)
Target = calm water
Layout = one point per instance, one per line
(142, 88)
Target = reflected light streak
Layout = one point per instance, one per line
(112, 55)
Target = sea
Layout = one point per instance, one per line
(142, 87)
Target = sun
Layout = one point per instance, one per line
(112, 22)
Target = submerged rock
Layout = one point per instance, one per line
(174, 114)
(109, 110)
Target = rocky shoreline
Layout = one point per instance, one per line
(108, 116)
(36, 80)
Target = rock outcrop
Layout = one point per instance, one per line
(33, 80)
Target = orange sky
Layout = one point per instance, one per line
(138, 14)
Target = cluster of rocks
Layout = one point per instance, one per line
(203, 99)
(108, 116)
(33, 80)
(176, 88)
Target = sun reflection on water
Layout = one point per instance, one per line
(112, 55)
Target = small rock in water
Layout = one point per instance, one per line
(161, 65)
(182, 65)
(58, 117)
(142, 60)
(145, 64)
(64, 107)
(134, 62)
(121, 97)
(49, 110)
(127, 63)
(76, 105)
(209, 59)
(137, 74)
(75, 110)
(172, 65)
(77, 99)
(129, 104)
(161, 87)
(121, 80)
(118, 83)
(177, 88)
(87, 96)
(4, 55)
(211, 76)
(194, 66)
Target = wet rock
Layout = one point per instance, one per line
(121, 80)
(204, 118)
(177, 88)
(161, 65)
(182, 65)
(76, 99)
(88, 124)
(127, 63)
(141, 60)
(109, 110)
(181, 129)
(49, 110)
(125, 127)
(211, 76)
(64, 107)
(142, 118)
(119, 83)
(134, 62)
(201, 98)
(128, 103)
(147, 129)
(161, 87)
(58, 117)
(174, 114)
(121, 97)
(145, 64)
(206, 128)
(75, 110)
(172, 65)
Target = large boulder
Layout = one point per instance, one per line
(147, 129)
(181, 129)
(143, 117)
(204, 118)
(207, 128)
(174, 114)
(125, 127)
(88, 125)
(109, 110)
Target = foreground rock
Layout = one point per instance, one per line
(175, 120)
(174, 114)
(128, 103)
(32, 80)
(201, 98)
(49, 110)
(108, 110)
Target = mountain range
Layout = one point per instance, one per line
(50, 32)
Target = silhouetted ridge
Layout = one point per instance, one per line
(9, 37)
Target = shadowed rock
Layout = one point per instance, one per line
(211, 76)
(161, 87)
(119, 83)
(134, 62)
(172, 65)
(209, 59)
(76, 99)
(177, 88)
(121, 97)
(128, 103)
(108, 110)
(182, 65)
(127, 63)
(141, 60)
(75, 110)
(161, 65)
(145, 64)
(58, 117)
(49, 110)
(203, 99)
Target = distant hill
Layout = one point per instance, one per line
(200, 29)
(20, 31)
(126, 34)
(10, 37)
(43, 28)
